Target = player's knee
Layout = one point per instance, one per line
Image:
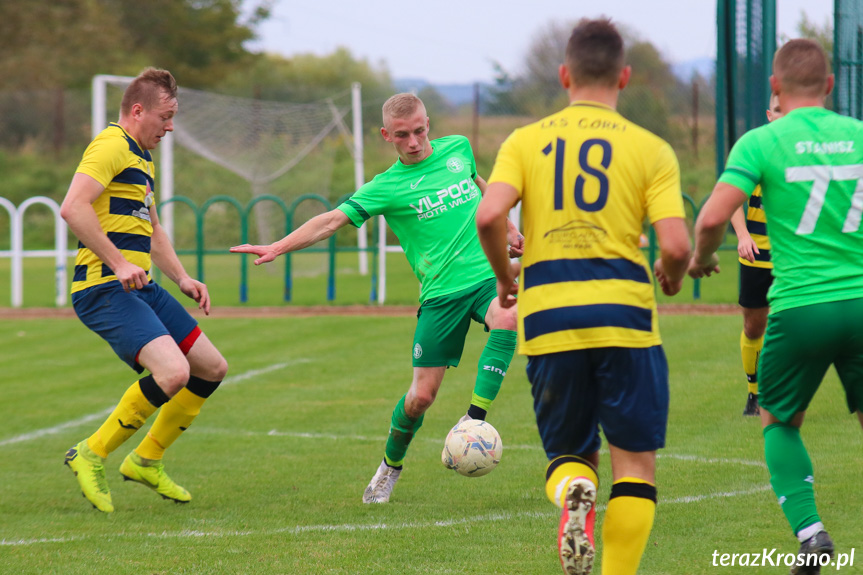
(510, 319)
(419, 402)
(754, 327)
(498, 317)
(211, 368)
(173, 380)
(504, 318)
(218, 370)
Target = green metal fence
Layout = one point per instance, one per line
(746, 42)
(848, 57)
(200, 250)
(244, 212)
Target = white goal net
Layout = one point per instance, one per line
(279, 149)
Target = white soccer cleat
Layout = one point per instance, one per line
(575, 535)
(381, 485)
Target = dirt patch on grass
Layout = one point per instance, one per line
(349, 310)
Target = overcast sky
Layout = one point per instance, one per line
(451, 41)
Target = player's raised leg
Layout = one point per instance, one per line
(139, 402)
(571, 484)
(496, 355)
(144, 464)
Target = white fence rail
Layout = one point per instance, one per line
(17, 253)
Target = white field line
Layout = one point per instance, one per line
(256, 372)
(324, 528)
(381, 439)
(57, 428)
(100, 414)
(749, 462)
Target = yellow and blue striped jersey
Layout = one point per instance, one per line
(115, 160)
(756, 225)
(587, 178)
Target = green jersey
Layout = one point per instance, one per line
(431, 207)
(810, 167)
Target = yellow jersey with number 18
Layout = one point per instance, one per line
(587, 178)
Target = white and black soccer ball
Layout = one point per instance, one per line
(472, 448)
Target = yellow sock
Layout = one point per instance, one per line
(750, 351)
(175, 417)
(563, 469)
(627, 524)
(129, 415)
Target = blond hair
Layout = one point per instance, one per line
(401, 106)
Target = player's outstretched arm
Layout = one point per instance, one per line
(675, 249)
(316, 229)
(711, 226)
(491, 223)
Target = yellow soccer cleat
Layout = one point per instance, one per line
(154, 477)
(91, 477)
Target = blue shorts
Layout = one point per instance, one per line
(624, 390)
(129, 321)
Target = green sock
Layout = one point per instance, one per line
(791, 474)
(402, 430)
(492, 366)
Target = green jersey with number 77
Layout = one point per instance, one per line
(810, 168)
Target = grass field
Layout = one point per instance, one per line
(280, 455)
(266, 284)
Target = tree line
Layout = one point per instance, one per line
(62, 44)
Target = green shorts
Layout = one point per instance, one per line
(800, 346)
(442, 324)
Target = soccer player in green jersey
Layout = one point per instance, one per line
(587, 179)
(429, 198)
(753, 249)
(809, 165)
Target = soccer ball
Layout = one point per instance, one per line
(472, 448)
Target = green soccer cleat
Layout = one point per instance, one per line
(154, 477)
(91, 477)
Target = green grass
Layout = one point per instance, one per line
(267, 283)
(277, 462)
